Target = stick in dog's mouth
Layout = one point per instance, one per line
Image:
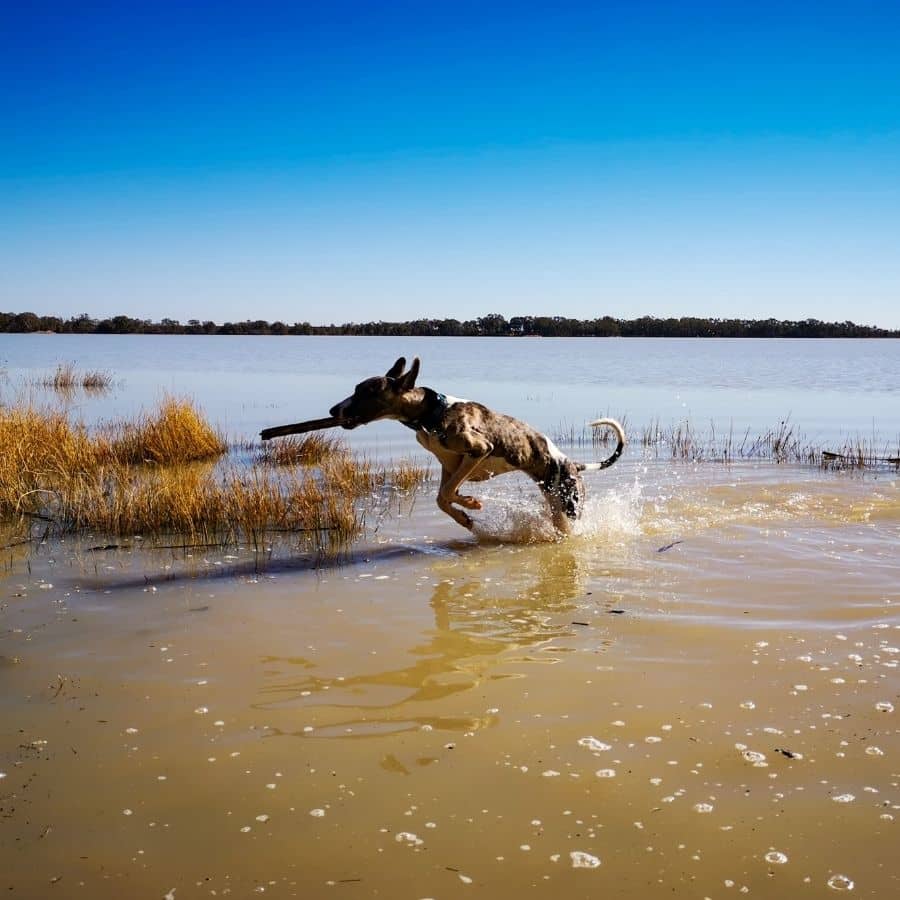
(310, 425)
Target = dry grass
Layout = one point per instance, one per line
(175, 433)
(66, 379)
(782, 443)
(407, 476)
(144, 478)
(309, 450)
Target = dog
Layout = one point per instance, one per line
(471, 442)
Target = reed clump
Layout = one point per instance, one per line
(161, 476)
(67, 378)
(783, 443)
(407, 475)
(175, 433)
(309, 450)
(39, 451)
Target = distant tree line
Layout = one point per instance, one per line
(493, 325)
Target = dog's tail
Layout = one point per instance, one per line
(620, 446)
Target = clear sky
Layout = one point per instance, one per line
(343, 161)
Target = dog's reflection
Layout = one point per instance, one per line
(484, 617)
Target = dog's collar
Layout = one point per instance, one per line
(435, 405)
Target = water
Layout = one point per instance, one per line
(826, 388)
(693, 695)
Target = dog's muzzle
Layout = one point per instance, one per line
(339, 411)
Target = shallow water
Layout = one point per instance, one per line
(694, 695)
(698, 691)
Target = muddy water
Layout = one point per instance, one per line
(693, 696)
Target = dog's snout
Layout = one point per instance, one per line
(335, 411)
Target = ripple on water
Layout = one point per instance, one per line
(840, 883)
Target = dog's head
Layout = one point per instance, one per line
(378, 397)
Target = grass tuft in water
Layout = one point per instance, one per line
(309, 450)
(175, 433)
(66, 379)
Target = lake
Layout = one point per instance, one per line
(694, 695)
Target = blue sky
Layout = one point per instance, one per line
(352, 162)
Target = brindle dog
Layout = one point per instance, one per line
(472, 442)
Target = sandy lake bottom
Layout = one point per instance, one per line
(694, 696)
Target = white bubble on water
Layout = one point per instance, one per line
(127, 812)
(840, 883)
(409, 838)
(776, 858)
(594, 745)
(755, 757)
(550, 773)
(201, 710)
(884, 706)
(262, 818)
(582, 860)
(605, 773)
(874, 751)
(844, 798)
(703, 807)
(748, 704)
(317, 813)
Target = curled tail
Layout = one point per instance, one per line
(620, 446)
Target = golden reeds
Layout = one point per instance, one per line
(407, 476)
(175, 433)
(309, 450)
(143, 477)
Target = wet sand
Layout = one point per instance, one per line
(694, 696)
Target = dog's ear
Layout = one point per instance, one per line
(396, 370)
(408, 381)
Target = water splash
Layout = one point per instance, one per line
(515, 514)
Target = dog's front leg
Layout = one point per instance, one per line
(450, 484)
(446, 505)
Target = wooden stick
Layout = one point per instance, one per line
(299, 427)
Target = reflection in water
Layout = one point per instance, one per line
(479, 621)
